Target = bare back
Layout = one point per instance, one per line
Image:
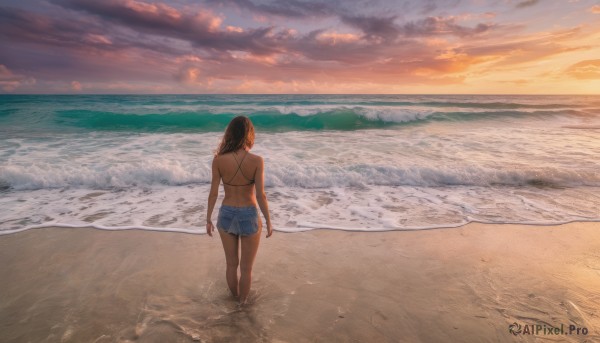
(238, 171)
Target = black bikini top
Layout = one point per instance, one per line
(239, 169)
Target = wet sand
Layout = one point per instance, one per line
(448, 285)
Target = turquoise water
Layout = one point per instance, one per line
(355, 162)
(271, 113)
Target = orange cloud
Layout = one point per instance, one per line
(595, 9)
(234, 29)
(335, 37)
(188, 75)
(152, 9)
(589, 69)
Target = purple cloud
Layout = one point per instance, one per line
(10, 81)
(200, 27)
(286, 8)
(374, 27)
(431, 26)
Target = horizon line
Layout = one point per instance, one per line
(329, 94)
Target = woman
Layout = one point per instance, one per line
(238, 220)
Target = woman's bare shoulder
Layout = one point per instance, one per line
(253, 155)
(255, 158)
(219, 159)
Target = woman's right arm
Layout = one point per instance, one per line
(261, 196)
(212, 196)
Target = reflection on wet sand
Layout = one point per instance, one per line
(463, 284)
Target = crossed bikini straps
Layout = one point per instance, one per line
(239, 169)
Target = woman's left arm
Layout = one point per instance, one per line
(212, 196)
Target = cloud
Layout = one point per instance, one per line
(20, 25)
(10, 81)
(285, 8)
(595, 9)
(386, 28)
(517, 82)
(171, 47)
(125, 87)
(152, 24)
(62, 31)
(333, 37)
(519, 50)
(527, 3)
(429, 6)
(311, 9)
(442, 26)
(374, 27)
(151, 16)
(200, 27)
(76, 86)
(188, 75)
(589, 69)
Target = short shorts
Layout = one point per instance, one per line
(241, 221)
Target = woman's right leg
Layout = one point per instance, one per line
(249, 249)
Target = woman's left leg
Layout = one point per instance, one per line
(231, 247)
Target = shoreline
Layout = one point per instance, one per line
(289, 230)
(462, 285)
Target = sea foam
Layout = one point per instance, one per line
(353, 162)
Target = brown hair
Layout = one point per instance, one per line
(239, 134)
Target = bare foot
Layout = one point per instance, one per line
(242, 303)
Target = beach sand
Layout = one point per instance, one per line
(465, 284)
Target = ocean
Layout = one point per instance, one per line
(347, 162)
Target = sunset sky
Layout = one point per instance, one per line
(296, 46)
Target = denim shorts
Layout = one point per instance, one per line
(241, 221)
